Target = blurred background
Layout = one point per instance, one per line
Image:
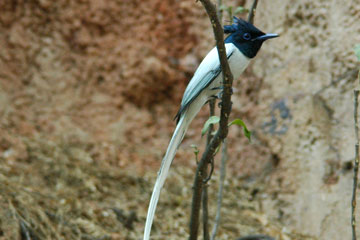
(89, 90)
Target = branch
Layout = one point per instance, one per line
(212, 102)
(205, 211)
(219, 11)
(205, 215)
(224, 157)
(224, 117)
(356, 167)
(224, 154)
(252, 11)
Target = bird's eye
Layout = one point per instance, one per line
(246, 36)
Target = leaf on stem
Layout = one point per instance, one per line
(240, 122)
(196, 151)
(211, 120)
(240, 9)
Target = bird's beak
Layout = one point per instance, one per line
(267, 36)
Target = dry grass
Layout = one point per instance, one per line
(58, 192)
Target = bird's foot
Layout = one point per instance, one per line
(220, 93)
(220, 104)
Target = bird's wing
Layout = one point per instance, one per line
(207, 71)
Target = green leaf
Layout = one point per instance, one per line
(229, 12)
(240, 122)
(196, 150)
(223, 7)
(357, 51)
(240, 10)
(211, 120)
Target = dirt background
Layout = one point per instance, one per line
(88, 92)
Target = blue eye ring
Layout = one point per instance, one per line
(247, 36)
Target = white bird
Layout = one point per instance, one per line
(241, 45)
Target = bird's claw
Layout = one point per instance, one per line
(220, 104)
(219, 95)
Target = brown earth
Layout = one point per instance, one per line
(88, 92)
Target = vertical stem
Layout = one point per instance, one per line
(224, 157)
(222, 132)
(209, 136)
(205, 188)
(356, 167)
(224, 117)
(224, 154)
(219, 10)
(252, 11)
(205, 214)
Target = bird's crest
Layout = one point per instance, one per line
(240, 24)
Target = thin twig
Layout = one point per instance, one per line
(224, 157)
(205, 213)
(356, 167)
(224, 117)
(252, 11)
(219, 10)
(212, 166)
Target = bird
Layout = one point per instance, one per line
(242, 44)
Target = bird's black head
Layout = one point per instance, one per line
(246, 37)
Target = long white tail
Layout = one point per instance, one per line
(164, 170)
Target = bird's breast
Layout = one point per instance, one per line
(238, 62)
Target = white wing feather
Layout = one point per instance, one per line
(207, 71)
